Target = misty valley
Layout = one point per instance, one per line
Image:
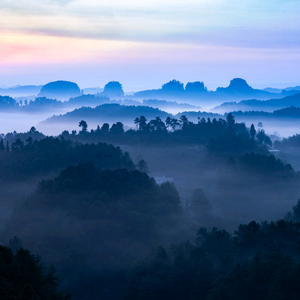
(172, 193)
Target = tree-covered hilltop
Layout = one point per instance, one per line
(32, 152)
(109, 112)
(290, 142)
(87, 220)
(222, 137)
(94, 215)
(7, 102)
(266, 165)
(94, 224)
(258, 261)
(132, 188)
(39, 157)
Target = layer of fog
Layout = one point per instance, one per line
(236, 196)
(22, 122)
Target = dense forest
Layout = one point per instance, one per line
(176, 131)
(95, 212)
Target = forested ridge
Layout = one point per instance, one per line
(113, 232)
(258, 261)
(35, 157)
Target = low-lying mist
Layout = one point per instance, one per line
(90, 199)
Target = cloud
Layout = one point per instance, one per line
(241, 23)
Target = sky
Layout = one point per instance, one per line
(144, 43)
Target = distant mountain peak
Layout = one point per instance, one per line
(239, 85)
(60, 88)
(113, 89)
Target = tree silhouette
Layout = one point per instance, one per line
(84, 126)
(2, 145)
(200, 204)
(184, 120)
(32, 129)
(230, 120)
(260, 136)
(252, 131)
(142, 166)
(168, 122)
(117, 128)
(141, 123)
(105, 128)
(22, 276)
(157, 125)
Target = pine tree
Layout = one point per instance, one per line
(252, 131)
(2, 145)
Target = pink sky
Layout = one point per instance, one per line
(144, 45)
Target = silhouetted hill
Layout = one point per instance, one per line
(290, 92)
(287, 89)
(272, 90)
(26, 90)
(7, 102)
(174, 89)
(108, 113)
(165, 105)
(113, 89)
(92, 91)
(237, 85)
(240, 86)
(88, 100)
(195, 87)
(293, 88)
(60, 89)
(194, 116)
(36, 104)
(288, 112)
(196, 91)
(268, 105)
